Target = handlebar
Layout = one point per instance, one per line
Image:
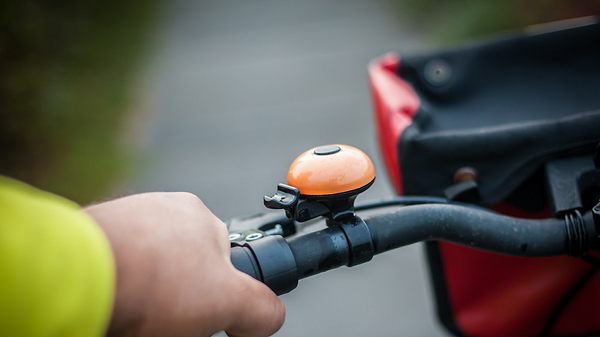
(280, 263)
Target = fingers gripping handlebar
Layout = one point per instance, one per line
(280, 263)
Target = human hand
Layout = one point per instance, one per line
(174, 275)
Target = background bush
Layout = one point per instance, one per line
(67, 73)
(455, 20)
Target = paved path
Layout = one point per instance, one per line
(237, 89)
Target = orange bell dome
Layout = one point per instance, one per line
(331, 169)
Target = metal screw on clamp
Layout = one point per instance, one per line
(234, 236)
(253, 236)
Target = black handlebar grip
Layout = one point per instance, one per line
(244, 261)
(269, 260)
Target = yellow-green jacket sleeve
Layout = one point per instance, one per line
(56, 267)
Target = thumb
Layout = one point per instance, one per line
(258, 312)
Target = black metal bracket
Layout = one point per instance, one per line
(596, 216)
(465, 191)
(299, 209)
(336, 207)
(573, 184)
(286, 197)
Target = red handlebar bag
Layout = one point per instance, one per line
(496, 112)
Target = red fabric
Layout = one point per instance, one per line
(395, 105)
(490, 295)
(495, 295)
(582, 316)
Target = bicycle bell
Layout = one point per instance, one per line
(324, 181)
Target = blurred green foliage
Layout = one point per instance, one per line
(68, 69)
(454, 20)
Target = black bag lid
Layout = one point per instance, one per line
(503, 107)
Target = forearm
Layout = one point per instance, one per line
(56, 267)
